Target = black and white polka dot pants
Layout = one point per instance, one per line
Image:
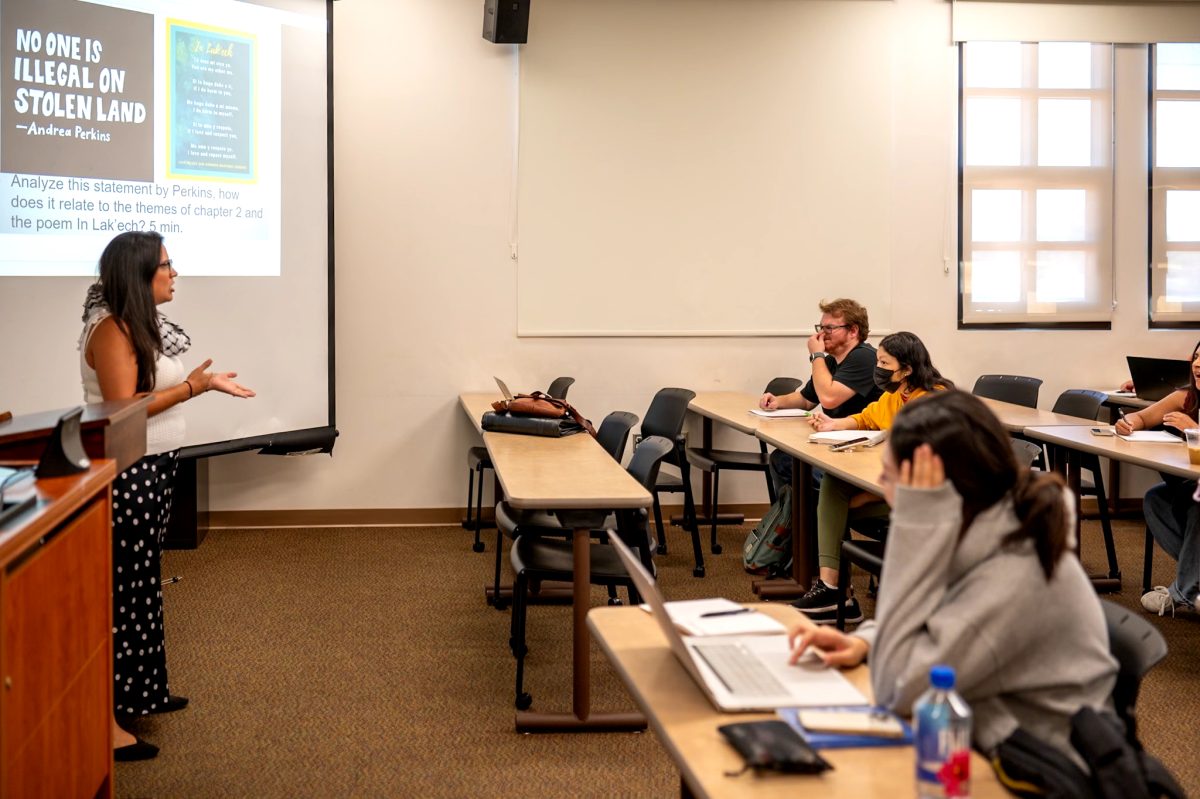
(141, 507)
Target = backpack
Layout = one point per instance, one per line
(768, 548)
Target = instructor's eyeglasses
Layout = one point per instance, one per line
(169, 264)
(828, 328)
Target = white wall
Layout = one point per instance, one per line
(425, 125)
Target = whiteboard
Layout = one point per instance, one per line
(703, 167)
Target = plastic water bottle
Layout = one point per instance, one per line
(943, 739)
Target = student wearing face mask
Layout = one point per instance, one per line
(903, 371)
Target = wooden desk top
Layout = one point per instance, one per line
(58, 497)
(476, 405)
(1123, 399)
(687, 723)
(859, 467)
(1169, 458)
(731, 408)
(555, 473)
(1016, 418)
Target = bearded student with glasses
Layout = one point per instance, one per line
(843, 368)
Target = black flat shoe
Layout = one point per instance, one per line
(173, 703)
(138, 750)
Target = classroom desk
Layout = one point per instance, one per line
(732, 409)
(577, 479)
(1015, 418)
(859, 467)
(1167, 458)
(686, 724)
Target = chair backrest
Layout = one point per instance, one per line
(1080, 402)
(558, 389)
(1026, 451)
(614, 433)
(1138, 647)
(647, 457)
(1016, 389)
(666, 413)
(783, 385)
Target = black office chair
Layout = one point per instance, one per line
(1138, 647)
(1016, 389)
(714, 460)
(478, 461)
(1086, 404)
(665, 417)
(868, 555)
(537, 558)
(613, 436)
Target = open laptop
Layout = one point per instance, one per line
(1155, 378)
(742, 673)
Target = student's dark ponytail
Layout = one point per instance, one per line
(979, 461)
(1040, 504)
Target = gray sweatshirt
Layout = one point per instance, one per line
(1028, 653)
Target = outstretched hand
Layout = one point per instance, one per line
(925, 470)
(201, 380)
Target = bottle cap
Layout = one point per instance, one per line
(942, 677)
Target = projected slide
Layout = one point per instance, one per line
(143, 115)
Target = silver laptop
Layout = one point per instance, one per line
(504, 392)
(743, 673)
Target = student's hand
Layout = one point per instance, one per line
(835, 648)
(820, 421)
(816, 343)
(1126, 386)
(925, 470)
(768, 402)
(1178, 420)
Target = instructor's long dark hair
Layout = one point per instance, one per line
(127, 269)
(979, 461)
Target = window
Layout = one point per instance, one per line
(1036, 184)
(1175, 185)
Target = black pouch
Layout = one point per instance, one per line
(502, 422)
(773, 746)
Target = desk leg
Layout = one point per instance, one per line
(1103, 584)
(581, 719)
(803, 536)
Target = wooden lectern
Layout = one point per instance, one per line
(56, 609)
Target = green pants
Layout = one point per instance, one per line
(834, 514)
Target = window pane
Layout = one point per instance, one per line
(996, 277)
(1061, 214)
(1183, 216)
(1064, 132)
(1178, 66)
(1060, 276)
(1183, 277)
(1177, 133)
(992, 131)
(996, 215)
(992, 65)
(1065, 65)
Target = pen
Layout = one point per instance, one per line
(716, 613)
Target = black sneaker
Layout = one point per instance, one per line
(820, 598)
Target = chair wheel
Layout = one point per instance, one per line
(501, 604)
(716, 549)
(477, 546)
(524, 701)
(662, 549)
(698, 571)
(614, 601)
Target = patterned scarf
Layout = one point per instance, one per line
(175, 340)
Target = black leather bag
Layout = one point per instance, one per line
(504, 422)
(773, 746)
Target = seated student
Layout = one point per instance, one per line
(1172, 514)
(842, 363)
(903, 372)
(979, 574)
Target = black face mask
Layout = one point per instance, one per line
(883, 379)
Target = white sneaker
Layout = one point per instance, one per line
(1159, 601)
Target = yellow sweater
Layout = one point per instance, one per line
(880, 413)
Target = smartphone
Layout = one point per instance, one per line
(854, 442)
(1103, 431)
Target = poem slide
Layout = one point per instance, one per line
(211, 130)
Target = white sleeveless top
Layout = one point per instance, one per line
(164, 431)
